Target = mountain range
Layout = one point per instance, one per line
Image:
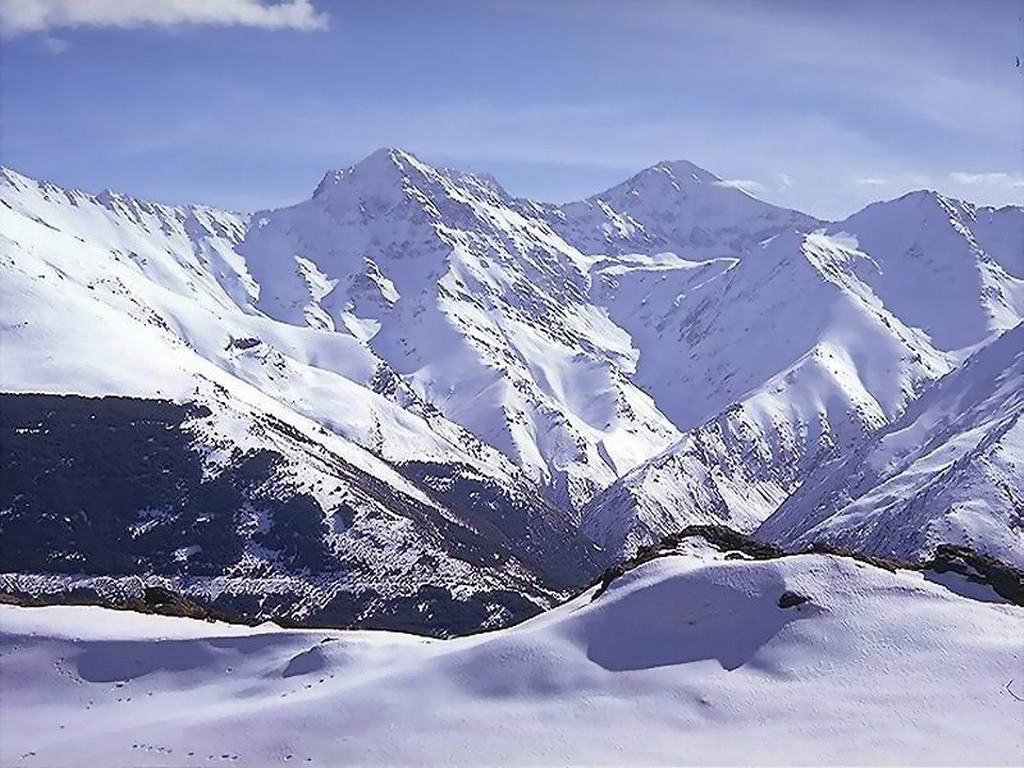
(415, 401)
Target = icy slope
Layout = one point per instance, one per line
(951, 469)
(682, 660)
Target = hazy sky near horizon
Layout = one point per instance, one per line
(822, 106)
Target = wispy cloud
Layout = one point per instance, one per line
(904, 69)
(24, 16)
(1007, 180)
(54, 45)
(749, 186)
(901, 180)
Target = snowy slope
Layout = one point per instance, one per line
(672, 350)
(105, 295)
(950, 268)
(476, 302)
(775, 356)
(149, 302)
(683, 660)
(951, 469)
(260, 513)
(771, 361)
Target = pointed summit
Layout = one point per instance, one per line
(668, 178)
(677, 206)
(684, 170)
(385, 166)
(388, 157)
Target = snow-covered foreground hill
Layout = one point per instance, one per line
(687, 659)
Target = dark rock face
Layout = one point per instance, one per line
(519, 517)
(78, 476)
(721, 537)
(726, 539)
(1005, 579)
(115, 487)
(791, 599)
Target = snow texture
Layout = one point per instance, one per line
(672, 350)
(684, 660)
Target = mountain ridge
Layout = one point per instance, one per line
(461, 335)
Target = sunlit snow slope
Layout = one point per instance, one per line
(106, 295)
(672, 350)
(950, 470)
(796, 349)
(476, 302)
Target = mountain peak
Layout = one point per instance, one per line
(924, 197)
(390, 170)
(12, 178)
(666, 179)
(915, 206)
(387, 166)
(684, 170)
(389, 155)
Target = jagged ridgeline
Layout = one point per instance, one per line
(414, 400)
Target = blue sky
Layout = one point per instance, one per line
(818, 105)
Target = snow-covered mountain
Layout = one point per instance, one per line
(795, 350)
(950, 268)
(476, 303)
(811, 659)
(950, 470)
(106, 295)
(669, 351)
(672, 207)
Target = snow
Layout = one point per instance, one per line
(671, 350)
(766, 385)
(478, 304)
(950, 470)
(673, 206)
(796, 348)
(141, 314)
(934, 274)
(686, 659)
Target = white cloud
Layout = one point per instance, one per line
(24, 16)
(54, 45)
(901, 180)
(785, 180)
(1011, 181)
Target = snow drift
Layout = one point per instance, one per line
(688, 658)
